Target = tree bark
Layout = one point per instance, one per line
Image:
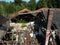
(49, 20)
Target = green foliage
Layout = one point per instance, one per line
(23, 25)
(24, 4)
(2, 7)
(0, 10)
(42, 3)
(17, 8)
(22, 22)
(53, 3)
(10, 8)
(32, 4)
(13, 7)
(18, 2)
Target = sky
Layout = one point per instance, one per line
(13, 0)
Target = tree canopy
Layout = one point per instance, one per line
(13, 7)
(42, 3)
(32, 4)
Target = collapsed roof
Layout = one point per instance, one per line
(56, 11)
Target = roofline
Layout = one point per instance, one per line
(42, 9)
(24, 13)
(36, 11)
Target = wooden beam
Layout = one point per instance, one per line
(49, 20)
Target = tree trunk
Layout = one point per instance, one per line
(49, 20)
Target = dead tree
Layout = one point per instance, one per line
(49, 20)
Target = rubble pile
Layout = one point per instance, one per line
(24, 36)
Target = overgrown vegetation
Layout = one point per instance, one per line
(23, 23)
